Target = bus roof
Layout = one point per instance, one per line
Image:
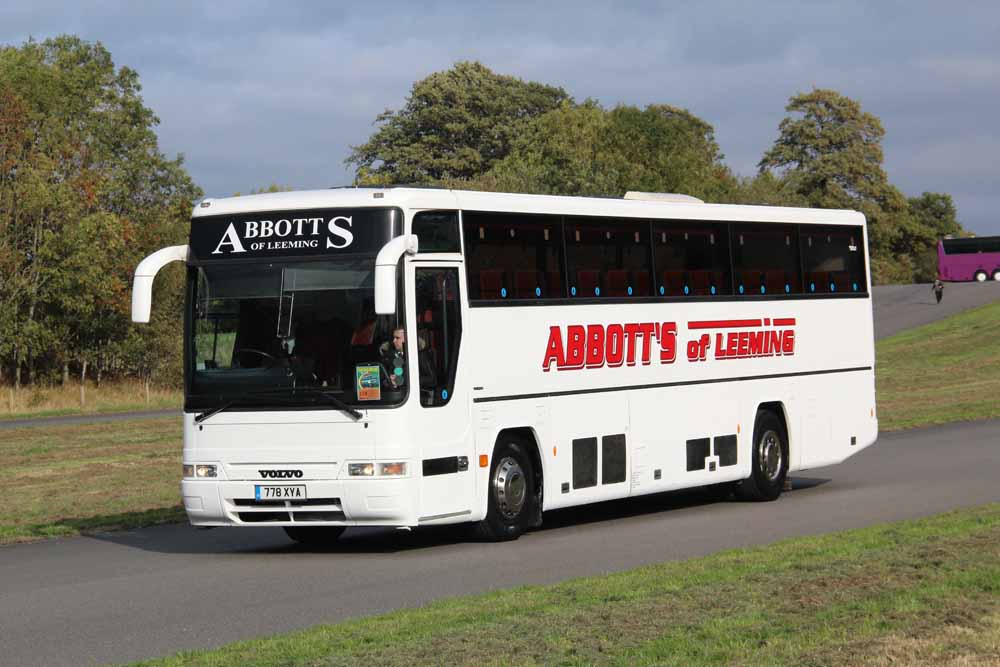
(433, 198)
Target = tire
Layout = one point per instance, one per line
(980, 276)
(996, 275)
(768, 459)
(315, 536)
(511, 493)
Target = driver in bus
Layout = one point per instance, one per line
(394, 358)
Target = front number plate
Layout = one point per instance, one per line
(295, 492)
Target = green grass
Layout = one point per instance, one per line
(943, 372)
(64, 480)
(921, 592)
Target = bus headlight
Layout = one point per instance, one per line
(361, 469)
(397, 469)
(202, 470)
(188, 470)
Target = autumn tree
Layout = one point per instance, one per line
(84, 193)
(455, 124)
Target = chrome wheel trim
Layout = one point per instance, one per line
(981, 276)
(509, 487)
(770, 455)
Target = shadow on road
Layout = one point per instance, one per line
(184, 539)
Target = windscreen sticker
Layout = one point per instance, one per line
(367, 382)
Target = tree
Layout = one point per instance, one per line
(84, 190)
(455, 124)
(587, 150)
(831, 153)
(932, 216)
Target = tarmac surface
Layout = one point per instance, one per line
(151, 592)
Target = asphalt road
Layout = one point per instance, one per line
(144, 593)
(899, 307)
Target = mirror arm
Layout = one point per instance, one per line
(385, 271)
(142, 283)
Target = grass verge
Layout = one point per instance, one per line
(59, 400)
(916, 592)
(64, 480)
(943, 372)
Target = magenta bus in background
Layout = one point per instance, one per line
(969, 259)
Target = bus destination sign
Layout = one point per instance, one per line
(292, 233)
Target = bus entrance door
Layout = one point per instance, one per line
(441, 414)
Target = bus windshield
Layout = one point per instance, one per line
(285, 329)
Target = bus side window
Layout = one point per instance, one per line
(437, 231)
(832, 259)
(607, 258)
(766, 259)
(511, 256)
(438, 333)
(691, 258)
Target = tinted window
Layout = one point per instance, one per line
(766, 259)
(511, 256)
(692, 259)
(607, 258)
(439, 332)
(970, 246)
(437, 231)
(833, 259)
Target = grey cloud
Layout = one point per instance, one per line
(263, 92)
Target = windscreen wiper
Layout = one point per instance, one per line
(330, 398)
(285, 395)
(242, 398)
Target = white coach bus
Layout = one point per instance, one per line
(408, 357)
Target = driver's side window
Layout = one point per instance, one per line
(438, 333)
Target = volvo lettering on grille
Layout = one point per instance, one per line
(280, 474)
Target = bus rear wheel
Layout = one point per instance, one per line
(980, 276)
(768, 459)
(511, 494)
(315, 536)
(996, 275)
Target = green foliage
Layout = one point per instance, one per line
(455, 124)
(589, 151)
(84, 194)
(830, 154)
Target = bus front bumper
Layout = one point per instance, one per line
(362, 502)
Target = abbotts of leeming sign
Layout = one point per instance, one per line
(293, 233)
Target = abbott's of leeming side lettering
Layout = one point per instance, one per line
(613, 345)
(291, 233)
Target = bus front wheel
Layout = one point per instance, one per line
(315, 536)
(511, 493)
(768, 459)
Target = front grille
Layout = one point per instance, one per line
(250, 502)
(249, 510)
(263, 517)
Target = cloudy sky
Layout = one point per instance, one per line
(254, 93)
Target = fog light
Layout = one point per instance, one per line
(392, 469)
(188, 470)
(202, 470)
(361, 469)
